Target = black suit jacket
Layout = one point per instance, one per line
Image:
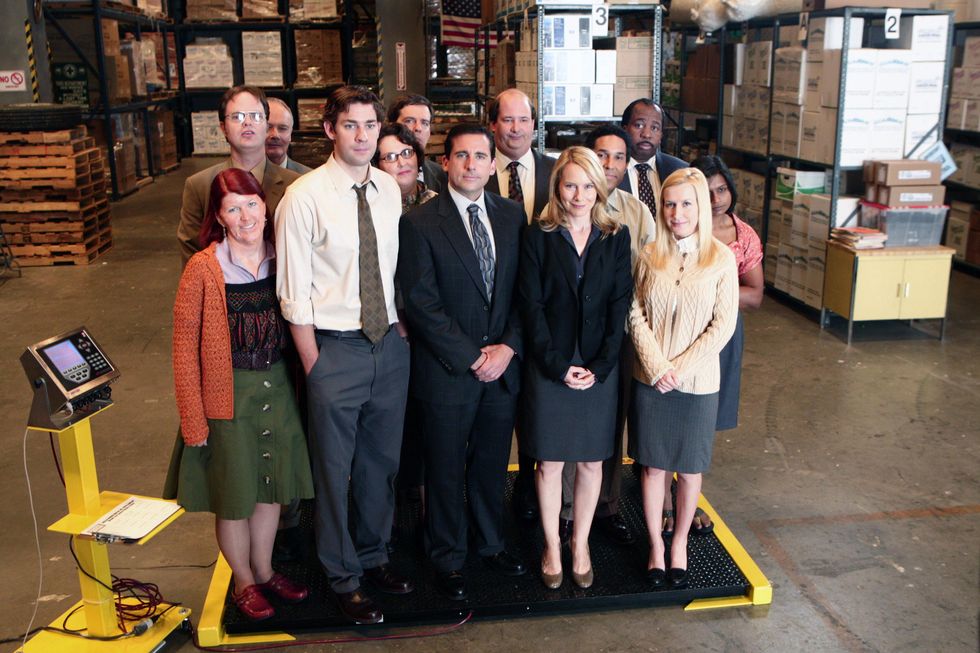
(665, 164)
(543, 165)
(433, 175)
(445, 300)
(556, 314)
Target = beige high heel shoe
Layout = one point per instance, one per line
(583, 581)
(551, 581)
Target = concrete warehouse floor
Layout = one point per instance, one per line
(852, 480)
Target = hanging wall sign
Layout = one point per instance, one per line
(893, 23)
(401, 73)
(12, 80)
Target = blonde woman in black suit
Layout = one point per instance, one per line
(574, 290)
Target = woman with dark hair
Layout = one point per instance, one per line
(683, 313)
(240, 452)
(400, 155)
(573, 292)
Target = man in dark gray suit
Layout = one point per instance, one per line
(643, 120)
(522, 174)
(415, 112)
(457, 267)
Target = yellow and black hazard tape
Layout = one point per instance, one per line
(32, 61)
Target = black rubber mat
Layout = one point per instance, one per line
(619, 577)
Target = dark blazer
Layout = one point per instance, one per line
(543, 165)
(556, 314)
(449, 315)
(197, 189)
(433, 175)
(665, 165)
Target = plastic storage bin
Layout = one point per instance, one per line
(906, 227)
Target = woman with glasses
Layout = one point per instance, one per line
(400, 155)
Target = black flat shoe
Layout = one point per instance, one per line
(657, 578)
(452, 585)
(678, 578)
(505, 563)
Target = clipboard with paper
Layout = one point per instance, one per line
(132, 520)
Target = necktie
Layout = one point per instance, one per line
(481, 244)
(645, 188)
(514, 190)
(374, 313)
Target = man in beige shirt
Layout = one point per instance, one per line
(612, 144)
(244, 116)
(337, 250)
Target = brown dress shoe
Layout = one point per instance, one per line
(359, 607)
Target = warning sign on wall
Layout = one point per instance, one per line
(12, 80)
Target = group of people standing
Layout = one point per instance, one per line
(502, 291)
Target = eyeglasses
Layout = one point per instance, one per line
(391, 157)
(239, 116)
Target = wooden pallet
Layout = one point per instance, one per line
(62, 172)
(47, 149)
(44, 137)
(56, 256)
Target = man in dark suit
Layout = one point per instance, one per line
(244, 116)
(415, 112)
(280, 136)
(522, 174)
(643, 120)
(457, 268)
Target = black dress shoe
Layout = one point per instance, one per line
(565, 527)
(657, 578)
(452, 584)
(505, 563)
(678, 578)
(387, 580)
(359, 607)
(616, 529)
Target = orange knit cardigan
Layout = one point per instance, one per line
(203, 380)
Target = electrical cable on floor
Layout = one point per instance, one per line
(37, 542)
(441, 630)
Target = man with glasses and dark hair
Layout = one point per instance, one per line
(415, 112)
(244, 116)
(643, 120)
(337, 249)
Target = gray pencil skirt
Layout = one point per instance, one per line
(673, 431)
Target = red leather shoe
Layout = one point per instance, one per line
(252, 604)
(288, 590)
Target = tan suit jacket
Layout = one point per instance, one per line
(197, 189)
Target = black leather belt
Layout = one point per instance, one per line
(356, 334)
(256, 359)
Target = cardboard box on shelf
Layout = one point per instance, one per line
(627, 90)
(960, 153)
(262, 58)
(904, 172)
(971, 51)
(862, 67)
(313, 9)
(811, 99)
(132, 51)
(792, 132)
(856, 136)
(110, 36)
(790, 182)
(957, 233)
(568, 66)
(775, 223)
(758, 62)
(207, 135)
(117, 78)
(971, 119)
(634, 56)
(318, 57)
(924, 36)
(911, 195)
(566, 31)
(784, 267)
(769, 263)
(605, 66)
(816, 263)
(892, 80)
(799, 233)
(887, 134)
(921, 131)
(789, 82)
(786, 223)
(826, 214)
(827, 33)
(926, 79)
(577, 100)
(777, 126)
(797, 282)
(965, 83)
(956, 113)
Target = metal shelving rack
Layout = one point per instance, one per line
(139, 23)
(685, 33)
(873, 18)
(202, 99)
(955, 189)
(513, 22)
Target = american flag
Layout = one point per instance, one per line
(460, 20)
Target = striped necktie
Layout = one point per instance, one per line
(481, 244)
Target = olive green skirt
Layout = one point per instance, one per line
(259, 456)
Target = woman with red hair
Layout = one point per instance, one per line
(241, 452)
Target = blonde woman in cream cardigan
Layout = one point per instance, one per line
(684, 311)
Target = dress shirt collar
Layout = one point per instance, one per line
(687, 244)
(652, 162)
(526, 161)
(343, 181)
(462, 203)
(613, 201)
(285, 162)
(258, 171)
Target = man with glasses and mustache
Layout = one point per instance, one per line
(643, 120)
(244, 116)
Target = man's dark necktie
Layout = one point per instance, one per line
(514, 190)
(481, 244)
(645, 188)
(374, 313)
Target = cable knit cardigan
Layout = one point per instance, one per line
(681, 318)
(203, 379)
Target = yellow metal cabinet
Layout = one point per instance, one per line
(897, 283)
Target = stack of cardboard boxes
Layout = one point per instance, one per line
(745, 104)
(891, 97)
(310, 112)
(904, 199)
(964, 114)
(262, 55)
(312, 9)
(260, 10)
(318, 58)
(963, 231)
(163, 137)
(207, 64)
(207, 135)
(751, 197)
(699, 88)
(209, 11)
